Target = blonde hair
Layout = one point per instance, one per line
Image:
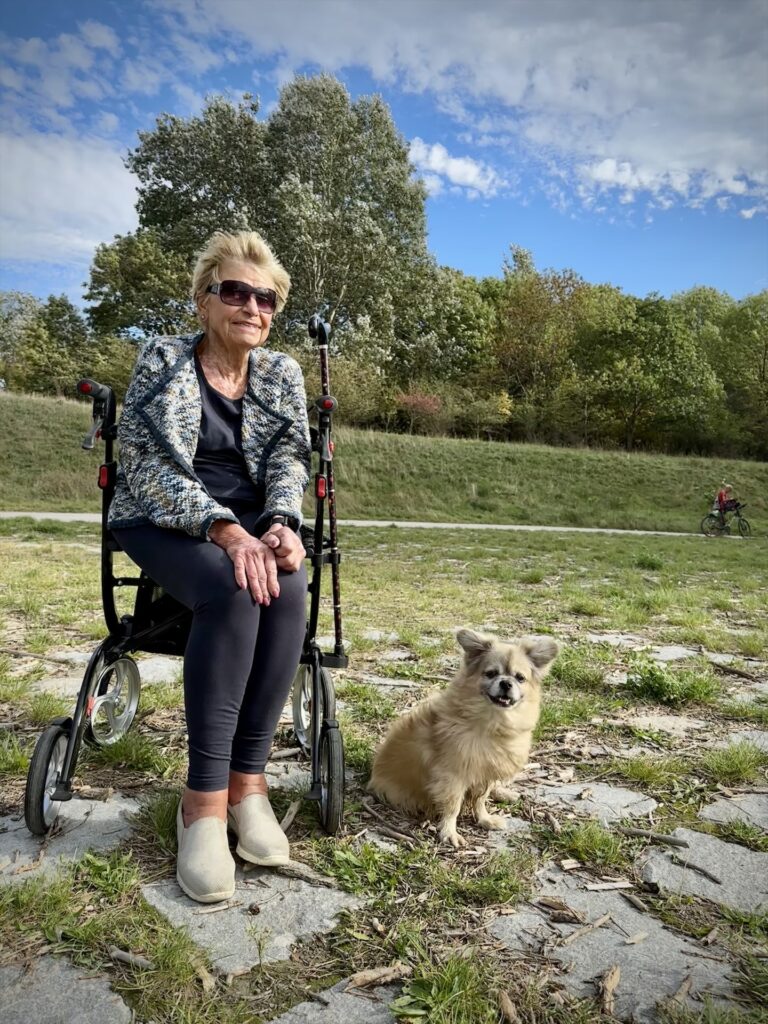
(244, 247)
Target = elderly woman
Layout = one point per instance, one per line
(214, 460)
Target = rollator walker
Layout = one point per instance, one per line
(109, 695)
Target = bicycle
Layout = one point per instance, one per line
(715, 525)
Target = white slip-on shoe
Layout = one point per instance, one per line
(205, 869)
(260, 838)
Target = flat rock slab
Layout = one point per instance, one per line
(672, 652)
(397, 654)
(82, 825)
(52, 991)
(751, 808)
(629, 640)
(757, 737)
(335, 1005)
(159, 669)
(742, 874)
(236, 938)
(673, 725)
(67, 684)
(652, 969)
(597, 800)
(498, 839)
(380, 634)
(288, 775)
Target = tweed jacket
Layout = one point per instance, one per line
(158, 432)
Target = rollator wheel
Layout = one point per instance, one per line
(116, 689)
(302, 704)
(331, 780)
(40, 809)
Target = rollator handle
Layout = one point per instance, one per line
(319, 330)
(92, 389)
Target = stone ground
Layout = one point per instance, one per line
(584, 921)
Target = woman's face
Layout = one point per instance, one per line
(237, 327)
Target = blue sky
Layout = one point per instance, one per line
(627, 141)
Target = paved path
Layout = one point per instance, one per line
(95, 517)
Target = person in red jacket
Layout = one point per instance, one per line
(725, 501)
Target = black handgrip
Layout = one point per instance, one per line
(92, 389)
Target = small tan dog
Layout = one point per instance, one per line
(450, 750)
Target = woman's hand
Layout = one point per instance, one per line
(254, 560)
(289, 552)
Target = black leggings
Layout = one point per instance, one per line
(241, 657)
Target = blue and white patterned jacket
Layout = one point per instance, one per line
(158, 438)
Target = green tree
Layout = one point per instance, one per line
(326, 180)
(138, 284)
(744, 369)
(17, 311)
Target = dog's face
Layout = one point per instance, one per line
(505, 674)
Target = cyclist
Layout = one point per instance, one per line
(725, 501)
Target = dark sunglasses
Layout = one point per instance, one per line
(235, 293)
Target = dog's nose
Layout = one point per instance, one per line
(505, 685)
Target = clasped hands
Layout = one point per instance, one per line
(257, 560)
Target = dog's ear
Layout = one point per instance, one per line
(474, 644)
(541, 651)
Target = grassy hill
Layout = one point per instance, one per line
(403, 477)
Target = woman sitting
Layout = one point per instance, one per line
(214, 460)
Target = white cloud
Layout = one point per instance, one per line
(660, 91)
(462, 172)
(100, 37)
(61, 196)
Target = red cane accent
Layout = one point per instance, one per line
(332, 446)
(89, 706)
(327, 403)
(103, 476)
(320, 486)
(84, 387)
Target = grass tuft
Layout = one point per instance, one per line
(660, 684)
(14, 759)
(738, 762)
(589, 842)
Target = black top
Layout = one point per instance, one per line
(219, 459)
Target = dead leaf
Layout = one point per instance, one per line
(205, 976)
(560, 912)
(380, 975)
(508, 1010)
(634, 939)
(602, 886)
(585, 794)
(607, 986)
(683, 991)
(568, 864)
(710, 937)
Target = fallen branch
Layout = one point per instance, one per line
(379, 975)
(655, 837)
(132, 959)
(290, 814)
(277, 755)
(585, 930)
(295, 869)
(697, 868)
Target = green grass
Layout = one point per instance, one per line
(652, 772)
(589, 842)
(401, 476)
(14, 758)
(738, 762)
(660, 684)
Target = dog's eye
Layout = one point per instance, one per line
(519, 677)
(490, 673)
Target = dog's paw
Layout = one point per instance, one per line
(452, 837)
(492, 821)
(503, 793)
